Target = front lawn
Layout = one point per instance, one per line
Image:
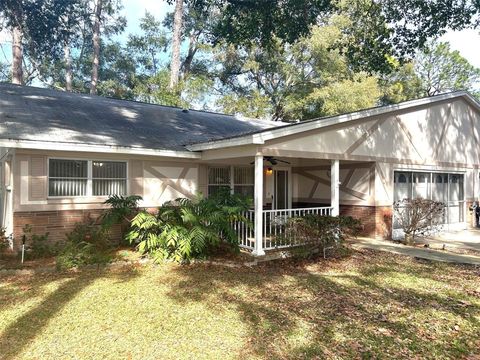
(371, 305)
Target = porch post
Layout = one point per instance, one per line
(335, 187)
(258, 250)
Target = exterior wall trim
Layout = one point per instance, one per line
(110, 149)
(269, 134)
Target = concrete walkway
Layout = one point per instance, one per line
(422, 253)
(463, 239)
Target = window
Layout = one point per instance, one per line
(222, 176)
(218, 177)
(109, 178)
(67, 177)
(243, 180)
(443, 187)
(86, 177)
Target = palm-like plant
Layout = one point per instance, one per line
(184, 229)
(121, 208)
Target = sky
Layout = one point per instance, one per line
(467, 42)
(135, 9)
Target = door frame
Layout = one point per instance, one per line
(270, 184)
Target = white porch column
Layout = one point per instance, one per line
(335, 187)
(258, 194)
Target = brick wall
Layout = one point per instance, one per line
(56, 223)
(383, 222)
(376, 220)
(366, 214)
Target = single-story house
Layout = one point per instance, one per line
(62, 154)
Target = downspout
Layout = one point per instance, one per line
(6, 219)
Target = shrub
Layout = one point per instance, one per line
(319, 233)
(87, 243)
(185, 229)
(4, 240)
(91, 233)
(418, 216)
(121, 210)
(37, 246)
(79, 254)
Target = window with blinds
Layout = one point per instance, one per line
(86, 178)
(67, 177)
(222, 176)
(243, 181)
(109, 178)
(218, 177)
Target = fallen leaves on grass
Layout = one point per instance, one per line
(370, 305)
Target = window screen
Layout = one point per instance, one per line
(218, 177)
(67, 177)
(86, 177)
(109, 178)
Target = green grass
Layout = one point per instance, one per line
(371, 305)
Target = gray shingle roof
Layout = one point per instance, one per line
(29, 113)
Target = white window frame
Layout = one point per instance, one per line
(90, 179)
(232, 177)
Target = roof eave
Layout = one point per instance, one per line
(111, 149)
(240, 141)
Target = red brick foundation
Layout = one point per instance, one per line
(56, 223)
(376, 220)
(383, 222)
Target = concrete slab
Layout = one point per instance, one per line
(463, 239)
(422, 253)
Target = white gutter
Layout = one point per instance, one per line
(269, 134)
(112, 149)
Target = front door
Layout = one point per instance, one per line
(280, 189)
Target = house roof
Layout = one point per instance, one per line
(41, 118)
(260, 136)
(38, 115)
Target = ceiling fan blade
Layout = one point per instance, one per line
(283, 161)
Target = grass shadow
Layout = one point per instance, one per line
(291, 312)
(19, 334)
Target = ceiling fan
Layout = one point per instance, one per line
(273, 161)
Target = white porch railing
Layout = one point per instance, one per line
(274, 222)
(245, 231)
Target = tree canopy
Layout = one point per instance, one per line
(284, 60)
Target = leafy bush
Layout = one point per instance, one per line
(87, 243)
(122, 208)
(79, 254)
(37, 246)
(418, 216)
(319, 233)
(91, 233)
(185, 229)
(4, 240)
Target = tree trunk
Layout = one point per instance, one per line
(409, 239)
(68, 69)
(17, 55)
(192, 49)
(176, 43)
(96, 47)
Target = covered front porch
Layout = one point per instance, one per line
(286, 187)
